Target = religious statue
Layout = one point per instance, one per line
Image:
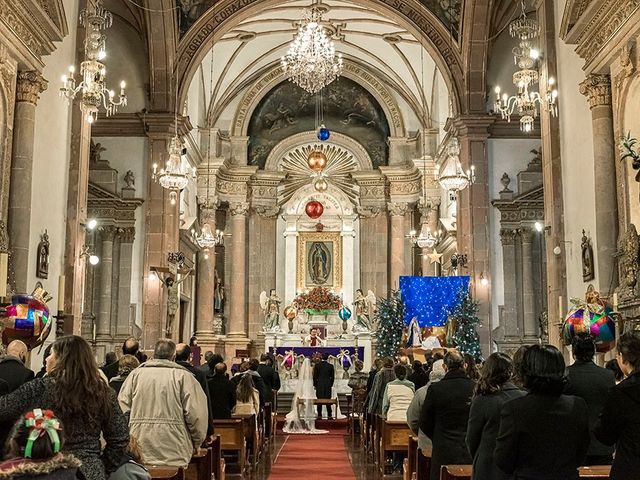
(271, 308)
(414, 335)
(176, 261)
(587, 259)
(42, 267)
(218, 294)
(363, 307)
(130, 179)
(319, 263)
(95, 152)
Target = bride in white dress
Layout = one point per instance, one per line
(302, 417)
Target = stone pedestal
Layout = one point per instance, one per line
(29, 86)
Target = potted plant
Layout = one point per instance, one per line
(627, 147)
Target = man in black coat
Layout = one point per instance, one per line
(323, 377)
(12, 369)
(183, 354)
(269, 376)
(222, 392)
(445, 414)
(129, 347)
(592, 383)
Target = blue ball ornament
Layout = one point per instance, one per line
(344, 313)
(323, 133)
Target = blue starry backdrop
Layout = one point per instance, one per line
(430, 299)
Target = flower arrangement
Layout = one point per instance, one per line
(627, 147)
(319, 301)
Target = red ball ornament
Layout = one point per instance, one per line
(314, 209)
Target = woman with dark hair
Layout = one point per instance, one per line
(543, 435)
(247, 397)
(518, 357)
(620, 419)
(471, 367)
(196, 351)
(493, 389)
(615, 368)
(81, 398)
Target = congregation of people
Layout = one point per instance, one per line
(523, 417)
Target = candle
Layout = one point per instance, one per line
(61, 293)
(560, 307)
(4, 263)
(615, 301)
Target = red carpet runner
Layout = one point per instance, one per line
(322, 457)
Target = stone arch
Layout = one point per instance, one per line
(359, 74)
(305, 138)
(418, 20)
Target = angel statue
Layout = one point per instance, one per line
(363, 308)
(271, 308)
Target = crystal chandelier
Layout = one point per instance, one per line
(311, 61)
(92, 71)
(526, 102)
(174, 177)
(450, 174)
(207, 239)
(426, 239)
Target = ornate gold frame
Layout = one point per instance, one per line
(301, 270)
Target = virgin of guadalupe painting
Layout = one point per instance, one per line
(319, 267)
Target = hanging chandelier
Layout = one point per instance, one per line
(450, 174)
(175, 176)
(526, 102)
(426, 239)
(92, 71)
(311, 61)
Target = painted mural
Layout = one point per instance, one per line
(348, 109)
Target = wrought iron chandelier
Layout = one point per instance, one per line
(526, 102)
(311, 61)
(92, 71)
(450, 175)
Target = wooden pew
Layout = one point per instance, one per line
(394, 437)
(217, 461)
(423, 465)
(251, 436)
(200, 466)
(455, 472)
(232, 439)
(166, 473)
(595, 471)
(268, 421)
(410, 463)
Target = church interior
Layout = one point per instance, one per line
(290, 176)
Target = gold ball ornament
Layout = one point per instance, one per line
(320, 185)
(317, 161)
(290, 312)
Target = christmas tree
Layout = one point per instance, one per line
(390, 324)
(465, 315)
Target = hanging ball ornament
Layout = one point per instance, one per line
(320, 185)
(344, 313)
(290, 312)
(317, 161)
(323, 133)
(314, 209)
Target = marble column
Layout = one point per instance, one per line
(374, 247)
(237, 291)
(397, 267)
(528, 298)
(429, 215)
(597, 89)
(510, 312)
(115, 281)
(123, 327)
(205, 284)
(29, 86)
(103, 328)
(290, 260)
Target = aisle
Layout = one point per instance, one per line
(318, 456)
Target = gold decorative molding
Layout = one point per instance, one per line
(301, 271)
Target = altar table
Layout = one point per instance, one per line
(309, 351)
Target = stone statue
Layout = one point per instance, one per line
(130, 179)
(218, 294)
(271, 308)
(363, 308)
(42, 267)
(587, 259)
(95, 152)
(173, 299)
(628, 263)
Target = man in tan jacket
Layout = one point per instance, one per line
(167, 408)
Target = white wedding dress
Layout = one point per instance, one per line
(302, 417)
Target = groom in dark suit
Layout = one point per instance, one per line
(323, 377)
